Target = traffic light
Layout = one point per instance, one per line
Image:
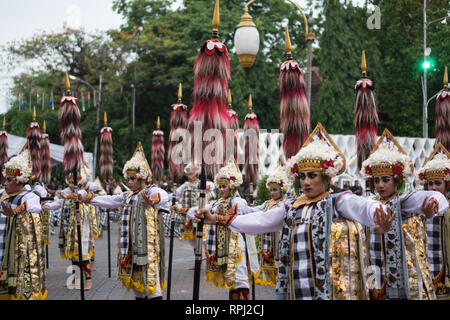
(428, 64)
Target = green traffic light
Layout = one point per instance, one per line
(428, 64)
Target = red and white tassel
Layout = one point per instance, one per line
(234, 125)
(294, 109)
(178, 123)
(365, 115)
(46, 161)
(157, 154)
(70, 120)
(106, 160)
(34, 139)
(3, 145)
(211, 76)
(251, 134)
(442, 118)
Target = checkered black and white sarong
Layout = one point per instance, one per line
(434, 245)
(130, 203)
(14, 201)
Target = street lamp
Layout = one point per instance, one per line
(133, 89)
(426, 65)
(246, 41)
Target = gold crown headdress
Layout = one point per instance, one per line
(387, 158)
(318, 153)
(436, 166)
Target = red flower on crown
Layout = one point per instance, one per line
(233, 179)
(398, 169)
(327, 164)
(294, 168)
(368, 170)
(17, 172)
(447, 171)
(422, 176)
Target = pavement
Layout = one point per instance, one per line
(109, 288)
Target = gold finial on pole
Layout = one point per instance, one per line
(250, 103)
(229, 96)
(288, 41)
(157, 123)
(363, 62)
(67, 82)
(34, 113)
(445, 77)
(105, 119)
(216, 17)
(44, 128)
(180, 92)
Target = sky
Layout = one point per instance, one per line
(21, 19)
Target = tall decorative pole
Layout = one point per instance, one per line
(70, 119)
(251, 132)
(442, 118)
(106, 164)
(211, 75)
(46, 161)
(106, 160)
(3, 144)
(294, 110)
(178, 123)
(157, 153)
(234, 124)
(365, 115)
(34, 139)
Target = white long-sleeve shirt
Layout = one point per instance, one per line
(116, 201)
(242, 207)
(347, 205)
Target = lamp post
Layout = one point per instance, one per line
(246, 41)
(426, 65)
(97, 106)
(133, 99)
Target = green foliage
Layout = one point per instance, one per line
(263, 194)
(157, 59)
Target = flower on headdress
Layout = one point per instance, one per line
(327, 164)
(422, 176)
(398, 169)
(368, 170)
(294, 168)
(17, 172)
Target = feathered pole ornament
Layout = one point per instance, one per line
(157, 153)
(34, 139)
(251, 134)
(211, 76)
(365, 115)
(3, 145)
(106, 160)
(178, 124)
(70, 120)
(234, 125)
(294, 109)
(442, 118)
(46, 161)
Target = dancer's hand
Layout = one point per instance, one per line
(429, 208)
(205, 215)
(7, 209)
(383, 221)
